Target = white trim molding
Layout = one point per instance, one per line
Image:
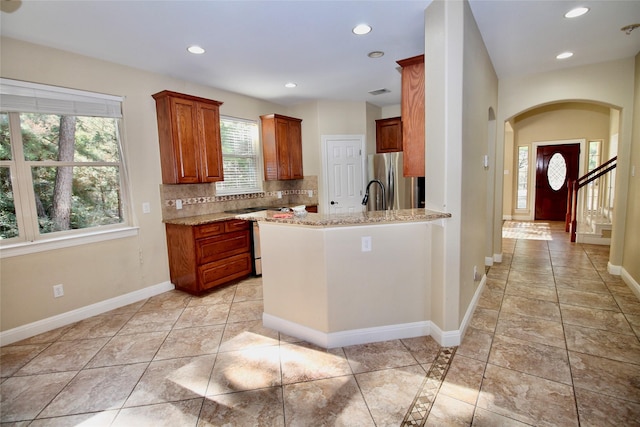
(615, 270)
(50, 323)
(26, 248)
(630, 281)
(346, 338)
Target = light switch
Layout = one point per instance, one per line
(146, 207)
(366, 244)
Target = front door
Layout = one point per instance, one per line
(555, 166)
(344, 172)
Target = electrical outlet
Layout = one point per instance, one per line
(279, 193)
(58, 291)
(366, 244)
(178, 204)
(310, 192)
(146, 207)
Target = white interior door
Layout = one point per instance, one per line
(344, 172)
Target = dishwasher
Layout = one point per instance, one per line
(257, 257)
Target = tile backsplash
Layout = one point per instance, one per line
(201, 199)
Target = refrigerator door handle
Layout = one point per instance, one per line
(391, 188)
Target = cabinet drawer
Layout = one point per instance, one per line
(236, 225)
(207, 230)
(219, 272)
(222, 246)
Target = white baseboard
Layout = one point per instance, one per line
(453, 338)
(592, 239)
(471, 308)
(346, 338)
(616, 270)
(377, 334)
(31, 329)
(445, 338)
(630, 281)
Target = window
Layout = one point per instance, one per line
(61, 170)
(523, 175)
(593, 188)
(557, 171)
(594, 154)
(240, 156)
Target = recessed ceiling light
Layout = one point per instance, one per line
(197, 50)
(564, 55)
(375, 54)
(290, 85)
(578, 11)
(361, 29)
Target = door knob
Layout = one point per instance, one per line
(334, 203)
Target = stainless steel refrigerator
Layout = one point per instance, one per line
(399, 192)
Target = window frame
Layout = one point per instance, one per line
(258, 162)
(526, 177)
(30, 239)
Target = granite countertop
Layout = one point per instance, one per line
(321, 220)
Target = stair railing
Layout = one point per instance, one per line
(571, 222)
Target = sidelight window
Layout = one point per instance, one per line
(523, 177)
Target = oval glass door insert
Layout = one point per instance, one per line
(557, 171)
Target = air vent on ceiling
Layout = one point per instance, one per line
(379, 91)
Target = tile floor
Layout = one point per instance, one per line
(554, 341)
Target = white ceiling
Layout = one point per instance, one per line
(255, 47)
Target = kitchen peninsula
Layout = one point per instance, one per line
(336, 280)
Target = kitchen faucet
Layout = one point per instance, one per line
(366, 193)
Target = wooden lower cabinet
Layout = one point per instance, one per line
(204, 256)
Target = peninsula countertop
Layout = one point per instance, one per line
(320, 220)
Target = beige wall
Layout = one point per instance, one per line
(460, 87)
(631, 257)
(510, 176)
(92, 273)
(480, 93)
(561, 121)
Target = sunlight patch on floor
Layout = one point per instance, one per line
(526, 230)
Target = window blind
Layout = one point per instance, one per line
(26, 97)
(240, 156)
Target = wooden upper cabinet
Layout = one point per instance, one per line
(412, 111)
(189, 134)
(389, 135)
(282, 147)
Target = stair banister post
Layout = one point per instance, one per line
(567, 217)
(574, 222)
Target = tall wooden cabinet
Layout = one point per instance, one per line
(189, 133)
(412, 111)
(281, 147)
(389, 135)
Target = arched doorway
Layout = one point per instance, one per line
(532, 137)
